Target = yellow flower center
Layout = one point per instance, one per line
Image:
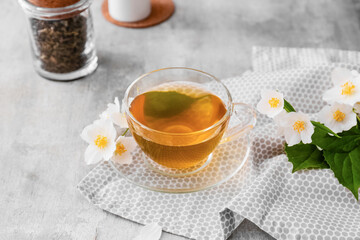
(274, 102)
(299, 126)
(120, 149)
(338, 116)
(101, 141)
(347, 88)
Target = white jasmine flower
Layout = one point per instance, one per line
(114, 114)
(119, 118)
(357, 107)
(296, 127)
(149, 232)
(278, 119)
(124, 147)
(355, 73)
(338, 117)
(101, 139)
(271, 103)
(112, 108)
(341, 75)
(346, 87)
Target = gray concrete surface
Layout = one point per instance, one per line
(41, 153)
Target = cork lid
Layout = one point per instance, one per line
(53, 3)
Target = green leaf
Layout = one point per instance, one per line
(288, 107)
(349, 140)
(324, 128)
(346, 167)
(166, 104)
(305, 156)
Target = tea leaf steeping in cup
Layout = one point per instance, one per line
(178, 109)
(181, 109)
(166, 104)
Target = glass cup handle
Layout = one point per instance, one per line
(247, 116)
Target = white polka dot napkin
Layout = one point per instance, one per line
(303, 205)
(307, 204)
(268, 59)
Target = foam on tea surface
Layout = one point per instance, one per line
(178, 108)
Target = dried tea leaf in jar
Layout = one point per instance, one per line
(61, 43)
(62, 38)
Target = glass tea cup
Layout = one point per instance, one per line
(185, 150)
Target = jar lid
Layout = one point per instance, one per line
(53, 3)
(37, 9)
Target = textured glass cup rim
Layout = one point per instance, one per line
(42, 12)
(218, 123)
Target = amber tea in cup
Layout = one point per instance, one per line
(178, 116)
(178, 108)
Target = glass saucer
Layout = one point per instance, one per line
(226, 161)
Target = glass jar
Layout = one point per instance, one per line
(62, 40)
